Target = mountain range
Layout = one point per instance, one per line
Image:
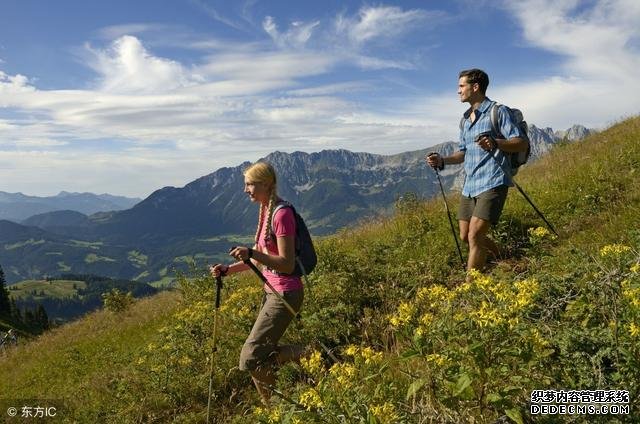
(331, 189)
(17, 206)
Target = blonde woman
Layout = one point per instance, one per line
(274, 248)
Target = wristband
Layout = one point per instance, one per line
(224, 272)
(250, 253)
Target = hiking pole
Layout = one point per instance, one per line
(518, 186)
(446, 206)
(286, 304)
(215, 340)
(535, 208)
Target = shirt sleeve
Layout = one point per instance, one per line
(284, 223)
(461, 145)
(508, 128)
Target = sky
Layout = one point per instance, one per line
(126, 97)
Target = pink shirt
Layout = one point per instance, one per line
(282, 225)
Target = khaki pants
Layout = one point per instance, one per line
(261, 347)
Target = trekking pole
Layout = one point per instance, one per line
(215, 340)
(446, 206)
(508, 174)
(286, 304)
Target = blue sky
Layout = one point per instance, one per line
(128, 97)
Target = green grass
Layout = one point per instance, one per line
(138, 259)
(551, 314)
(92, 257)
(82, 362)
(90, 244)
(58, 289)
(30, 242)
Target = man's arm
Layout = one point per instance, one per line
(512, 145)
(434, 160)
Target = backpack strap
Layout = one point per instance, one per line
(494, 118)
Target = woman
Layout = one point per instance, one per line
(275, 249)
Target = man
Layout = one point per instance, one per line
(486, 184)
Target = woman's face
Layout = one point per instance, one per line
(257, 191)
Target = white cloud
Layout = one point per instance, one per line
(296, 36)
(596, 42)
(127, 67)
(150, 121)
(217, 16)
(379, 22)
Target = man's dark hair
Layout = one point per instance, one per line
(476, 76)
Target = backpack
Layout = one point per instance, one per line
(306, 258)
(516, 159)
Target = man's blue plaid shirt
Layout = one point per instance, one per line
(481, 172)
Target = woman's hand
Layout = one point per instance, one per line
(241, 253)
(219, 270)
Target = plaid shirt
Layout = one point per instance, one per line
(482, 173)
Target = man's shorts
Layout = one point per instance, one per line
(261, 347)
(487, 205)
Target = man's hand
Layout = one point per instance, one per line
(435, 161)
(486, 142)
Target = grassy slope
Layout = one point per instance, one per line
(79, 362)
(590, 191)
(58, 289)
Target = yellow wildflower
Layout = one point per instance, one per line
(538, 341)
(385, 413)
(351, 350)
(632, 294)
(426, 319)
(488, 316)
(527, 290)
(614, 250)
(311, 399)
(370, 356)
(635, 268)
(634, 330)
(313, 363)
(540, 233)
(274, 416)
(403, 315)
(343, 373)
(438, 359)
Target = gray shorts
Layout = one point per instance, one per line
(261, 347)
(487, 205)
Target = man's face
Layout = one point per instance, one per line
(465, 90)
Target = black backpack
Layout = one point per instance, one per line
(517, 159)
(306, 258)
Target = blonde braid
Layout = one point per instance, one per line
(260, 219)
(273, 199)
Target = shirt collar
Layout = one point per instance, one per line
(484, 106)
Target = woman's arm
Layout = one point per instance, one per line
(284, 261)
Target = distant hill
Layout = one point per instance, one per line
(18, 207)
(332, 189)
(71, 296)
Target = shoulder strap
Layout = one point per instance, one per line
(494, 118)
(281, 205)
